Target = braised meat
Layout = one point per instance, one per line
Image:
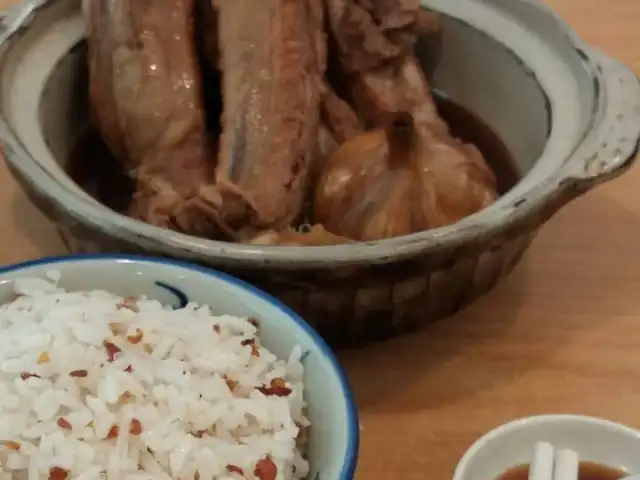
(339, 123)
(242, 120)
(396, 88)
(338, 116)
(146, 101)
(270, 57)
(372, 33)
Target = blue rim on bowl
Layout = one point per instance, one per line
(350, 458)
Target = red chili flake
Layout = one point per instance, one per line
(136, 338)
(266, 469)
(135, 427)
(230, 383)
(64, 423)
(112, 350)
(277, 387)
(201, 433)
(10, 445)
(114, 431)
(125, 397)
(27, 376)
(130, 303)
(79, 374)
(255, 352)
(216, 328)
(129, 369)
(234, 469)
(57, 473)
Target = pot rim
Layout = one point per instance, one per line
(608, 148)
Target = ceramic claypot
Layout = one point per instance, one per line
(569, 115)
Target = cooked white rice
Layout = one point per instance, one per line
(96, 386)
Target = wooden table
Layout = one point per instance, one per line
(561, 335)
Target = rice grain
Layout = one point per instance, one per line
(97, 386)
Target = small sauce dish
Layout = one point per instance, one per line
(505, 452)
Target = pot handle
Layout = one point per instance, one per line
(611, 144)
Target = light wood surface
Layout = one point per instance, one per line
(560, 335)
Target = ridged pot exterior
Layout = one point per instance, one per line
(569, 115)
(356, 306)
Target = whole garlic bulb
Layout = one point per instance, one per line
(399, 180)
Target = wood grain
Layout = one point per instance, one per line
(560, 335)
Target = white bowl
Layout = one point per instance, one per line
(333, 438)
(595, 440)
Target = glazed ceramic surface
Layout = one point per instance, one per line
(569, 115)
(333, 437)
(593, 439)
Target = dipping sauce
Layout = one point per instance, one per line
(587, 471)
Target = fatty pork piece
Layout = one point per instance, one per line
(371, 33)
(146, 100)
(338, 116)
(270, 58)
(401, 87)
(339, 123)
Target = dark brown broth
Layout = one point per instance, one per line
(92, 166)
(586, 471)
(469, 128)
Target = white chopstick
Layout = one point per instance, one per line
(542, 464)
(551, 464)
(566, 465)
